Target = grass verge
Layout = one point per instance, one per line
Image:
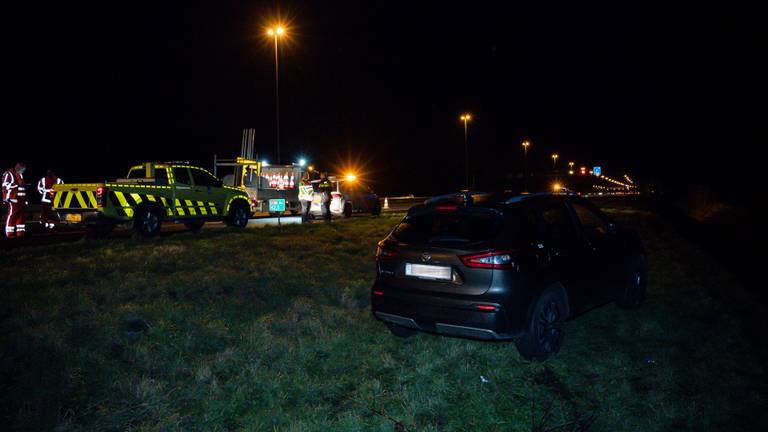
(270, 329)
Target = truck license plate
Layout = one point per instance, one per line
(428, 271)
(73, 217)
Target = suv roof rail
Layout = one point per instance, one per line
(467, 198)
(521, 197)
(176, 162)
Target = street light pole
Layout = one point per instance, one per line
(554, 161)
(526, 143)
(275, 33)
(465, 118)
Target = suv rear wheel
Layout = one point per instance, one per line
(147, 221)
(400, 331)
(545, 330)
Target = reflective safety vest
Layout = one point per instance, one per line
(45, 188)
(305, 192)
(13, 186)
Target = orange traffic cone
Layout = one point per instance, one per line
(386, 203)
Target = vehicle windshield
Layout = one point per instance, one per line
(161, 175)
(136, 173)
(449, 228)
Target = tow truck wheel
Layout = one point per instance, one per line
(238, 215)
(147, 221)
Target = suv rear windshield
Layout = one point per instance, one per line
(449, 228)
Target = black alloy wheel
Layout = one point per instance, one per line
(148, 221)
(550, 328)
(238, 216)
(546, 328)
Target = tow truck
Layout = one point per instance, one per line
(152, 193)
(264, 182)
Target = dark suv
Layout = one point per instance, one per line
(504, 268)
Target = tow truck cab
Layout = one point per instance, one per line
(263, 182)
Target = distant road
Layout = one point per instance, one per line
(402, 204)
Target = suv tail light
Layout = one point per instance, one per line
(383, 254)
(101, 195)
(501, 259)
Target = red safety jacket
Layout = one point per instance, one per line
(14, 187)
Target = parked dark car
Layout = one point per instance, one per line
(504, 268)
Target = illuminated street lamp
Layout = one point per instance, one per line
(554, 160)
(526, 144)
(570, 168)
(466, 118)
(276, 33)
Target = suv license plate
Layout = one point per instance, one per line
(73, 217)
(428, 271)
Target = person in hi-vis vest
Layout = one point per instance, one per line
(48, 218)
(306, 194)
(15, 195)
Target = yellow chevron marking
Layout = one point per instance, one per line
(202, 208)
(80, 200)
(167, 208)
(151, 198)
(213, 209)
(68, 200)
(121, 198)
(136, 198)
(179, 209)
(57, 199)
(191, 208)
(92, 198)
(128, 211)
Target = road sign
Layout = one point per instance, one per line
(276, 205)
(597, 171)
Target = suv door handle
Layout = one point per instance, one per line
(183, 187)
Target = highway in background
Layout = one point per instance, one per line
(36, 236)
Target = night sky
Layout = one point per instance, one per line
(666, 95)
